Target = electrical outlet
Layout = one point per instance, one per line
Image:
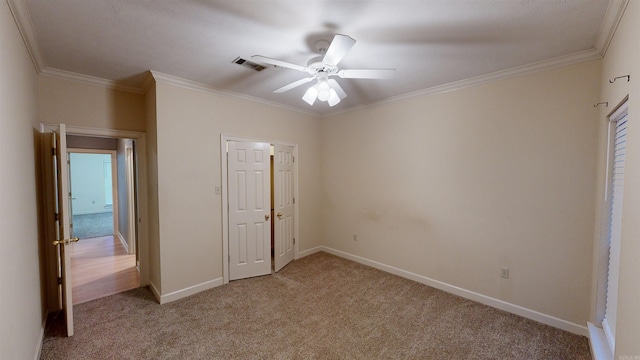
(355, 237)
(504, 273)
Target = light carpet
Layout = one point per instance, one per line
(318, 307)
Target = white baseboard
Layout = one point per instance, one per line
(308, 252)
(191, 290)
(483, 299)
(122, 240)
(40, 339)
(93, 212)
(600, 349)
(155, 291)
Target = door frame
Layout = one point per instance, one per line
(224, 138)
(141, 164)
(114, 182)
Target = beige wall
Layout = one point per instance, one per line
(189, 125)
(455, 186)
(74, 103)
(623, 58)
(22, 301)
(153, 237)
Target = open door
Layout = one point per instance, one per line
(283, 206)
(249, 201)
(63, 224)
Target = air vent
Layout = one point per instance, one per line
(249, 64)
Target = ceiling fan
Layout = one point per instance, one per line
(325, 66)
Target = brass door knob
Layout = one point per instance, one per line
(65, 241)
(266, 217)
(279, 214)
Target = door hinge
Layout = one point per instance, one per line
(294, 241)
(294, 159)
(56, 217)
(294, 200)
(59, 281)
(53, 151)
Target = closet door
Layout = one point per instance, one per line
(283, 206)
(249, 200)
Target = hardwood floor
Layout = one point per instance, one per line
(101, 267)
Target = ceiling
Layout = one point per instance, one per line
(434, 45)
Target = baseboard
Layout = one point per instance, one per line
(600, 349)
(191, 290)
(155, 291)
(93, 212)
(38, 351)
(308, 252)
(483, 299)
(122, 240)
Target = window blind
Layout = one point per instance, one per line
(615, 227)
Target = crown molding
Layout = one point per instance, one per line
(609, 25)
(89, 80)
(192, 85)
(22, 17)
(147, 83)
(575, 58)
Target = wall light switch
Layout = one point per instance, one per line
(504, 273)
(218, 190)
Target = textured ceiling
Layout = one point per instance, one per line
(430, 43)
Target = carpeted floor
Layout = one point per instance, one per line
(93, 225)
(318, 307)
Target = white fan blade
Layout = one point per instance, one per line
(335, 86)
(311, 95)
(333, 97)
(266, 60)
(293, 85)
(340, 45)
(367, 74)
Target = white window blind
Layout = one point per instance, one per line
(615, 224)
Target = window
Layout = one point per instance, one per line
(618, 130)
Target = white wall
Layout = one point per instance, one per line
(88, 185)
(21, 301)
(623, 58)
(454, 186)
(189, 125)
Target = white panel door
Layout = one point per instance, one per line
(283, 205)
(249, 199)
(63, 224)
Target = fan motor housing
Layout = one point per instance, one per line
(316, 66)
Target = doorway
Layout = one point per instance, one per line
(103, 262)
(91, 184)
(260, 222)
(59, 281)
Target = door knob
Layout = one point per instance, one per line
(65, 241)
(266, 217)
(279, 214)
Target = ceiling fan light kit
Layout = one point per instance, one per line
(324, 66)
